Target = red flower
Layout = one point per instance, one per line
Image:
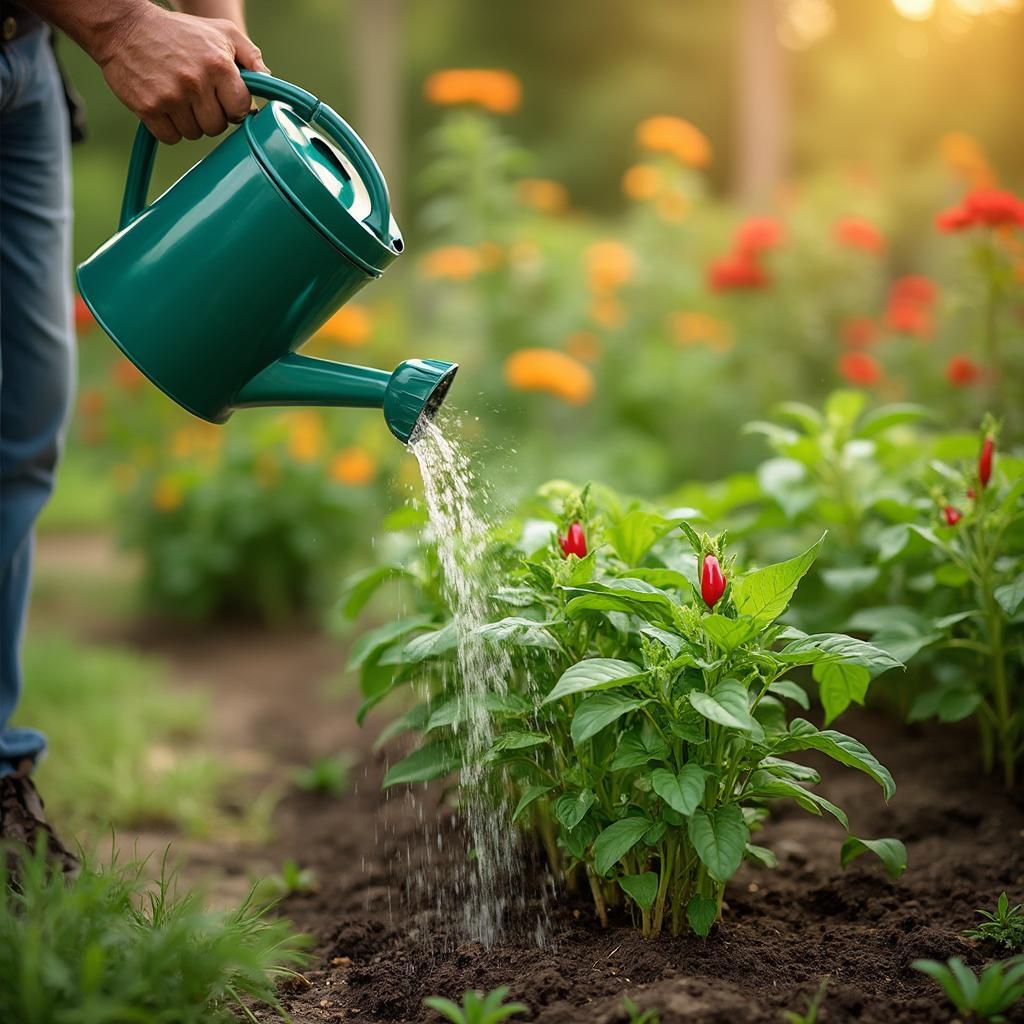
(859, 332)
(962, 372)
(83, 315)
(860, 368)
(574, 542)
(954, 219)
(988, 448)
(756, 234)
(914, 289)
(858, 233)
(736, 271)
(952, 516)
(984, 207)
(907, 318)
(712, 582)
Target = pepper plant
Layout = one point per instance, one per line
(646, 730)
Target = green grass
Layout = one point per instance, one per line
(83, 498)
(122, 742)
(112, 948)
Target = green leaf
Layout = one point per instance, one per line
(726, 705)
(793, 691)
(632, 596)
(728, 634)
(761, 855)
(429, 762)
(891, 852)
(643, 889)
(635, 533)
(663, 636)
(719, 837)
(430, 645)
(517, 741)
(766, 786)
(533, 793)
(844, 749)
(373, 640)
(660, 578)
(1011, 596)
(635, 750)
(764, 594)
(843, 407)
(888, 416)
(358, 589)
(617, 840)
(518, 631)
(820, 648)
(594, 674)
(789, 770)
(701, 912)
(682, 791)
(599, 711)
(852, 579)
(571, 809)
(839, 684)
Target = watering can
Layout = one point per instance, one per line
(211, 288)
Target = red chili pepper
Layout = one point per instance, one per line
(712, 582)
(952, 516)
(985, 460)
(574, 542)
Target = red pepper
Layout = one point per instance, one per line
(574, 542)
(952, 516)
(712, 582)
(985, 460)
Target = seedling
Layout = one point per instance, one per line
(326, 775)
(810, 1015)
(477, 1008)
(1005, 927)
(291, 880)
(980, 998)
(638, 1016)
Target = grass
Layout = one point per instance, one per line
(113, 948)
(83, 498)
(122, 742)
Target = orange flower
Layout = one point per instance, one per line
(858, 233)
(353, 466)
(305, 436)
(907, 318)
(983, 207)
(859, 332)
(756, 234)
(915, 289)
(672, 206)
(84, 320)
(609, 266)
(606, 311)
(550, 371)
(860, 368)
(584, 346)
(196, 439)
(351, 326)
(736, 271)
(92, 402)
(962, 372)
(497, 91)
(966, 157)
(453, 262)
(127, 376)
(695, 328)
(687, 143)
(642, 182)
(167, 494)
(544, 195)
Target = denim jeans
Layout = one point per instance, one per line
(36, 337)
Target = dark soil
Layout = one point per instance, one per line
(380, 951)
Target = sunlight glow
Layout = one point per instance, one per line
(918, 10)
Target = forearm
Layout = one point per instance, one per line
(96, 25)
(231, 10)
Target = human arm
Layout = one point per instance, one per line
(177, 72)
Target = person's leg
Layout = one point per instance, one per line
(36, 338)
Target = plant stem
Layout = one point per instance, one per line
(667, 866)
(595, 891)
(1000, 688)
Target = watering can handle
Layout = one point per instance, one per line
(140, 166)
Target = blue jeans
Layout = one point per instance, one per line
(36, 337)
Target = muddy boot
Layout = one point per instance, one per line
(23, 825)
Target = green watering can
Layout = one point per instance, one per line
(211, 288)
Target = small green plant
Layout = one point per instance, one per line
(477, 1008)
(1004, 927)
(112, 946)
(291, 880)
(638, 1016)
(999, 987)
(810, 1015)
(326, 775)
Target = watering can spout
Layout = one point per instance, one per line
(414, 391)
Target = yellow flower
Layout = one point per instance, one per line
(609, 266)
(305, 436)
(583, 345)
(353, 466)
(351, 326)
(642, 182)
(196, 439)
(544, 195)
(672, 135)
(672, 206)
(606, 311)
(497, 91)
(453, 262)
(167, 494)
(694, 328)
(551, 371)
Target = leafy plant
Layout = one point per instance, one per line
(291, 880)
(477, 1008)
(1004, 926)
(644, 734)
(999, 987)
(112, 946)
(638, 1016)
(327, 775)
(810, 1015)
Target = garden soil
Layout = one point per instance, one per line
(381, 949)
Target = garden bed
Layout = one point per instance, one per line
(380, 953)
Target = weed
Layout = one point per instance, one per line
(1000, 985)
(326, 775)
(291, 880)
(477, 1008)
(810, 1015)
(1004, 927)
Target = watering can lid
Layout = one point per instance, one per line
(323, 183)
